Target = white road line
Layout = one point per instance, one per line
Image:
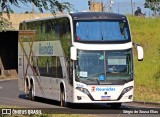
(8, 79)
(0, 87)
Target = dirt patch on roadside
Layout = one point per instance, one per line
(9, 74)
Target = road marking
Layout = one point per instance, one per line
(8, 79)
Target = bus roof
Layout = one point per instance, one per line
(46, 18)
(84, 16)
(96, 15)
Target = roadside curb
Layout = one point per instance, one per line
(142, 102)
(6, 79)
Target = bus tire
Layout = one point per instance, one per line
(115, 105)
(62, 99)
(31, 93)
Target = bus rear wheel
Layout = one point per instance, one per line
(31, 93)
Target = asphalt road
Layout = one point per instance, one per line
(9, 97)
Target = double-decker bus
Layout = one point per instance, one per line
(82, 57)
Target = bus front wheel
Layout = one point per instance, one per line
(62, 99)
(115, 105)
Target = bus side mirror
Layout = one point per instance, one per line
(140, 53)
(73, 51)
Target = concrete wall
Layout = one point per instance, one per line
(17, 18)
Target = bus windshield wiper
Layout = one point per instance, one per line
(125, 80)
(97, 81)
(94, 80)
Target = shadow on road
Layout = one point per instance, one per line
(71, 105)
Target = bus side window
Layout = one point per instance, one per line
(48, 26)
(47, 67)
(41, 27)
(34, 62)
(53, 66)
(66, 37)
(59, 73)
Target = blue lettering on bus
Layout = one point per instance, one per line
(46, 49)
(105, 89)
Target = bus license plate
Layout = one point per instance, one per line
(105, 97)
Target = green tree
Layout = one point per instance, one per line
(26, 12)
(154, 5)
(11, 11)
(5, 24)
(7, 12)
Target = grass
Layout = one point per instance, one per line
(146, 32)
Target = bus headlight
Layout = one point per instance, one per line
(125, 90)
(84, 90)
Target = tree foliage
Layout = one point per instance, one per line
(154, 5)
(52, 5)
(5, 24)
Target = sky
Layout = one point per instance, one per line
(82, 5)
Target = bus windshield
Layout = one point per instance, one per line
(104, 67)
(101, 31)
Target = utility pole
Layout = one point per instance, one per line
(118, 7)
(132, 6)
(90, 4)
(32, 7)
(62, 6)
(110, 6)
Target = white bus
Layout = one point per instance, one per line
(77, 58)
